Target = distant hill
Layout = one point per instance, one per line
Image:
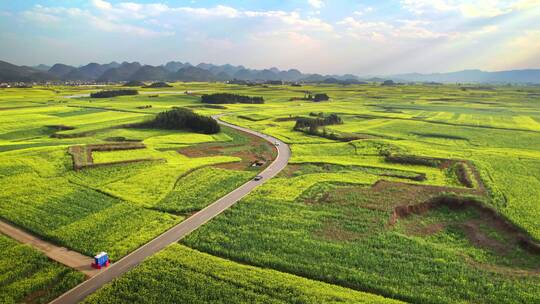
(91, 71)
(192, 73)
(225, 69)
(176, 70)
(174, 66)
(121, 73)
(41, 67)
(60, 70)
(13, 73)
(475, 76)
(313, 78)
(290, 75)
(266, 74)
(149, 72)
(244, 74)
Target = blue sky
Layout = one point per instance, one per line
(324, 36)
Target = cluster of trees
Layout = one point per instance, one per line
(320, 97)
(160, 84)
(223, 98)
(388, 83)
(316, 98)
(181, 119)
(113, 93)
(312, 124)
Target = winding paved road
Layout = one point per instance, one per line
(179, 231)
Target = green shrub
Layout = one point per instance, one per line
(222, 98)
(113, 93)
(182, 118)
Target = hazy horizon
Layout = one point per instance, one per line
(313, 36)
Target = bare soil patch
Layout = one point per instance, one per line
(332, 231)
(480, 239)
(471, 228)
(254, 150)
(416, 229)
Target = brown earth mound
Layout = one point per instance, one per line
(457, 203)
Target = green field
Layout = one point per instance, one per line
(29, 276)
(182, 275)
(333, 216)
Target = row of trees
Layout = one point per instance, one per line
(113, 93)
(182, 118)
(223, 98)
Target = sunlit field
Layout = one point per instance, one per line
(424, 194)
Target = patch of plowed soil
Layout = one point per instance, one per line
(471, 228)
(415, 229)
(290, 170)
(331, 231)
(505, 270)
(480, 239)
(404, 195)
(254, 150)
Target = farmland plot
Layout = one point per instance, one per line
(179, 274)
(29, 276)
(343, 213)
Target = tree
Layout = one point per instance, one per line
(182, 118)
(222, 98)
(321, 97)
(113, 93)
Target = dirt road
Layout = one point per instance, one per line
(62, 255)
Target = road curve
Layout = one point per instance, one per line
(179, 231)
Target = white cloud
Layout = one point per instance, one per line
(467, 8)
(40, 17)
(56, 15)
(528, 41)
(316, 3)
(520, 51)
(525, 4)
(101, 4)
(127, 10)
(142, 19)
(423, 6)
(483, 9)
(436, 30)
(295, 20)
(384, 31)
(218, 11)
(363, 11)
(112, 27)
(47, 15)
